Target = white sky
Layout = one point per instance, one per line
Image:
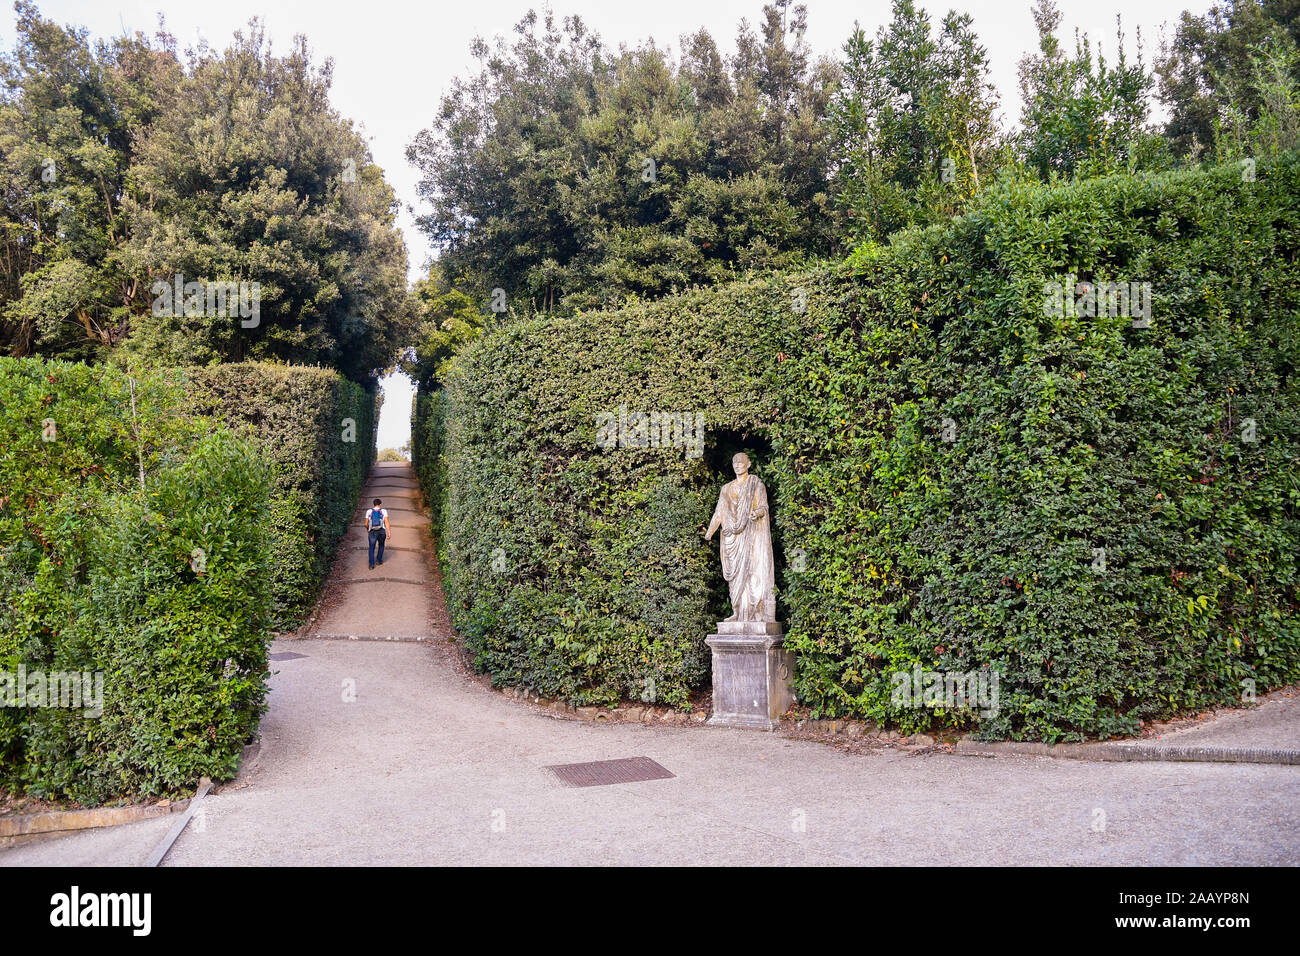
(394, 61)
(395, 417)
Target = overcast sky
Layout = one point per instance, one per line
(394, 61)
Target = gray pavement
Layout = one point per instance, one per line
(1274, 724)
(381, 752)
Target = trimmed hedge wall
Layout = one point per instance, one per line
(298, 415)
(1107, 517)
(162, 589)
(579, 572)
(428, 434)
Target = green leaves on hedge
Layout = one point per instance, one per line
(131, 545)
(949, 456)
(299, 417)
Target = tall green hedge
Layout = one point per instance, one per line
(428, 436)
(577, 571)
(318, 431)
(130, 547)
(1104, 514)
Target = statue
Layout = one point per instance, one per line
(751, 667)
(746, 545)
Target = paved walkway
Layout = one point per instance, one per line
(385, 752)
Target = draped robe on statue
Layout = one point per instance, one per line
(747, 562)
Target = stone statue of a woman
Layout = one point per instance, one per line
(746, 544)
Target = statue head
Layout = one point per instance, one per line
(740, 462)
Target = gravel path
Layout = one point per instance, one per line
(362, 602)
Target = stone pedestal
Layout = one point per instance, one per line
(751, 674)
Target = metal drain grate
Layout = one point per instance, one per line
(600, 773)
(286, 656)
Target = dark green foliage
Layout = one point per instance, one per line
(130, 545)
(571, 176)
(579, 571)
(428, 435)
(445, 321)
(1082, 116)
(124, 164)
(299, 417)
(913, 124)
(1206, 69)
(1069, 434)
(251, 175)
(69, 111)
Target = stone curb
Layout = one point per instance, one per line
(653, 715)
(165, 845)
(626, 713)
(18, 829)
(865, 729)
(1129, 752)
(65, 821)
(841, 727)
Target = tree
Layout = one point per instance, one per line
(913, 124)
(1261, 116)
(69, 117)
(501, 159)
(775, 130)
(1201, 69)
(446, 320)
(569, 177)
(121, 168)
(1082, 116)
(250, 175)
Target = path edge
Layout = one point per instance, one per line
(1129, 752)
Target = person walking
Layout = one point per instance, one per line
(376, 524)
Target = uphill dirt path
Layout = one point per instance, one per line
(398, 600)
(379, 748)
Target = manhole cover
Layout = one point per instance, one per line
(599, 773)
(286, 656)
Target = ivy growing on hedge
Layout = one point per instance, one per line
(1104, 514)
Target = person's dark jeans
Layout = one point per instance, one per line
(377, 537)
